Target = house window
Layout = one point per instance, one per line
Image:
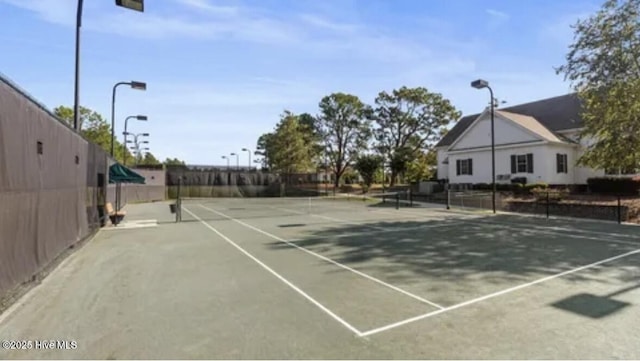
(464, 167)
(561, 163)
(522, 163)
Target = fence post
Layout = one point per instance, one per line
(410, 198)
(397, 200)
(619, 210)
(448, 195)
(178, 201)
(547, 204)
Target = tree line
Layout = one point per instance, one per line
(95, 128)
(603, 66)
(398, 131)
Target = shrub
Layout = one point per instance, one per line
(346, 188)
(554, 195)
(614, 185)
(518, 188)
(528, 188)
(481, 186)
(519, 180)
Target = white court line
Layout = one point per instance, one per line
(540, 229)
(536, 229)
(363, 223)
(294, 287)
(416, 297)
(558, 234)
(371, 233)
(496, 294)
(359, 223)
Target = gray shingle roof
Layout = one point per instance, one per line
(557, 113)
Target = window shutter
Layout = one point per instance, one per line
(457, 166)
(470, 166)
(530, 163)
(514, 168)
(566, 163)
(559, 163)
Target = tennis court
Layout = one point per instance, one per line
(431, 262)
(367, 279)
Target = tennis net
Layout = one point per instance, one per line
(282, 206)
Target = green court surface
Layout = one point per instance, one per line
(326, 279)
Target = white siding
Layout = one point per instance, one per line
(581, 174)
(506, 132)
(443, 169)
(553, 177)
(544, 164)
(482, 164)
(544, 155)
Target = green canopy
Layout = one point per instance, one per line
(121, 174)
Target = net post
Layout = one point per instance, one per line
(619, 210)
(547, 204)
(448, 195)
(410, 198)
(178, 201)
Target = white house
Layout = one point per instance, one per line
(537, 141)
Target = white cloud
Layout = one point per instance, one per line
(60, 12)
(241, 95)
(498, 14)
(210, 8)
(328, 55)
(323, 23)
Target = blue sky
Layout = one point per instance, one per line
(220, 73)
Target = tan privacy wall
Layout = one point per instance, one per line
(49, 193)
(153, 189)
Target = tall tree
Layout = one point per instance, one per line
(422, 167)
(66, 115)
(603, 65)
(344, 129)
(264, 148)
(290, 153)
(312, 136)
(149, 159)
(95, 128)
(174, 161)
(399, 162)
(409, 121)
(367, 166)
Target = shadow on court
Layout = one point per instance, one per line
(595, 306)
(466, 253)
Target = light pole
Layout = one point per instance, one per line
(249, 152)
(125, 133)
(237, 160)
(137, 5)
(134, 85)
(227, 158)
(480, 84)
(326, 172)
(141, 154)
(136, 143)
